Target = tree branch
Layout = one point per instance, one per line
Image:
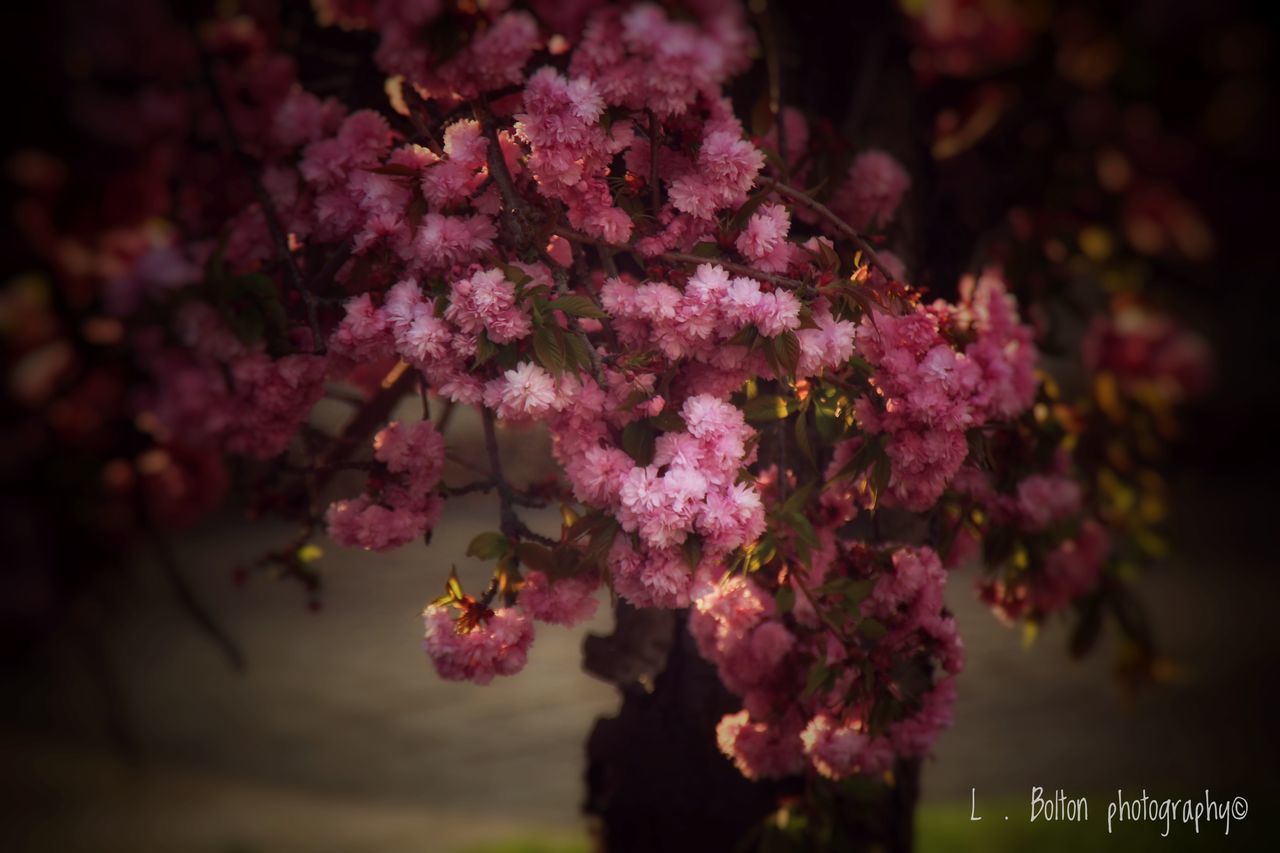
(269, 212)
(829, 215)
(680, 258)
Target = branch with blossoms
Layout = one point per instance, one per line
(556, 218)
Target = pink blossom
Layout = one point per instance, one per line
(363, 523)
(487, 302)
(764, 240)
(497, 645)
(871, 193)
(1044, 499)
(839, 748)
(526, 392)
(564, 602)
(760, 750)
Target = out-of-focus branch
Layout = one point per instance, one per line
(269, 212)
(680, 258)
(192, 604)
(509, 523)
(828, 214)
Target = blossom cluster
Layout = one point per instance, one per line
(557, 218)
(929, 393)
(842, 723)
(406, 504)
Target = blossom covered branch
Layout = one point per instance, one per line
(589, 241)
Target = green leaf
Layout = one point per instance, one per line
(706, 250)
(638, 441)
(765, 408)
(819, 675)
(485, 349)
(514, 274)
(879, 479)
(796, 501)
(578, 353)
(669, 420)
(872, 629)
(692, 551)
(601, 541)
(804, 529)
(802, 438)
(535, 556)
(548, 346)
(786, 351)
(745, 337)
(785, 599)
(743, 214)
(578, 306)
(487, 546)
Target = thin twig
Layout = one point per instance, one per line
(773, 65)
(508, 521)
(680, 258)
(829, 215)
(191, 603)
(269, 212)
(655, 191)
(469, 488)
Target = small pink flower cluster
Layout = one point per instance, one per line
(689, 489)
(930, 393)
(641, 59)
(401, 507)
(872, 191)
(739, 629)
(218, 393)
(567, 602)
(500, 43)
(570, 151)
(496, 644)
(1147, 351)
(1070, 571)
(698, 323)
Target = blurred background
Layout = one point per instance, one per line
(125, 728)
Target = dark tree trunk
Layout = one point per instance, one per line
(658, 783)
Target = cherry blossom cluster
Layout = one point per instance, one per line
(406, 504)
(556, 218)
(771, 649)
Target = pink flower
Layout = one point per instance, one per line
(872, 191)
(364, 333)
(497, 645)
(487, 302)
(362, 523)
(760, 750)
(777, 312)
(840, 748)
(652, 579)
(1044, 499)
(764, 240)
(1071, 569)
(526, 392)
(564, 602)
(414, 450)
